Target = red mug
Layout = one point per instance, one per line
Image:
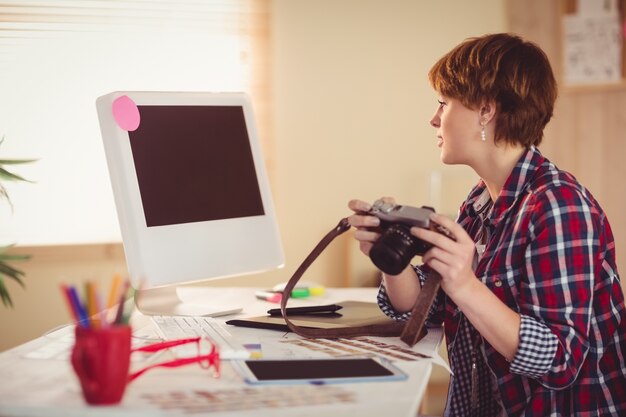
(101, 360)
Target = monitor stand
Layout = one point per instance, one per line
(165, 301)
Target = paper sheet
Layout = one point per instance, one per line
(390, 348)
(592, 48)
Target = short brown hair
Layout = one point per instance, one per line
(501, 67)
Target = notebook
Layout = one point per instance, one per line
(353, 313)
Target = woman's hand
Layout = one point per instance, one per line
(451, 258)
(366, 226)
(403, 288)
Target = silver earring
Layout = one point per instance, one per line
(483, 137)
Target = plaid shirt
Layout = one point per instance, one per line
(550, 257)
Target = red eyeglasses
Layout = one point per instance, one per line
(205, 360)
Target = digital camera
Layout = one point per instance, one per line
(396, 246)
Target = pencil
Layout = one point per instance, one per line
(92, 308)
(102, 312)
(70, 302)
(83, 320)
(115, 285)
(120, 308)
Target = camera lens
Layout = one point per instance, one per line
(395, 248)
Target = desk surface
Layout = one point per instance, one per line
(47, 385)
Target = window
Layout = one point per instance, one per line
(57, 57)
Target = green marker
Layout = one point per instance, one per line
(300, 292)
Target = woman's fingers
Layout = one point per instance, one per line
(366, 235)
(360, 221)
(359, 206)
(454, 233)
(366, 238)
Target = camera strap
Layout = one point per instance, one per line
(410, 332)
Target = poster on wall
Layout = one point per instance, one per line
(593, 42)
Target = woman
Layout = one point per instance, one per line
(531, 300)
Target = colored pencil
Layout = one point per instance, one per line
(70, 302)
(115, 285)
(83, 320)
(119, 317)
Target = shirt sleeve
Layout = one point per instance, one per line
(537, 347)
(435, 315)
(556, 295)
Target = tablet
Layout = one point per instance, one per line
(318, 371)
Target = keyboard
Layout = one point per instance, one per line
(180, 327)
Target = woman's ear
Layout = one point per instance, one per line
(487, 111)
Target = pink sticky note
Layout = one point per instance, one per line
(126, 113)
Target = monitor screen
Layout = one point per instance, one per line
(190, 186)
(188, 159)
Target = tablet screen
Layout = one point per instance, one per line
(319, 370)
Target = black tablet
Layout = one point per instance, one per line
(318, 371)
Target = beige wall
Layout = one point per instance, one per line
(351, 105)
(351, 108)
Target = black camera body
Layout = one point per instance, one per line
(396, 246)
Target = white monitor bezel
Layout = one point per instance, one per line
(185, 253)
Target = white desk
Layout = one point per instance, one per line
(48, 387)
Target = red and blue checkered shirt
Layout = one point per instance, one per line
(550, 256)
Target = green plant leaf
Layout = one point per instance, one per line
(16, 161)
(6, 270)
(4, 294)
(9, 176)
(5, 257)
(10, 272)
(5, 195)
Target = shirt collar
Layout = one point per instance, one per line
(517, 182)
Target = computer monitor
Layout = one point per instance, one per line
(191, 192)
